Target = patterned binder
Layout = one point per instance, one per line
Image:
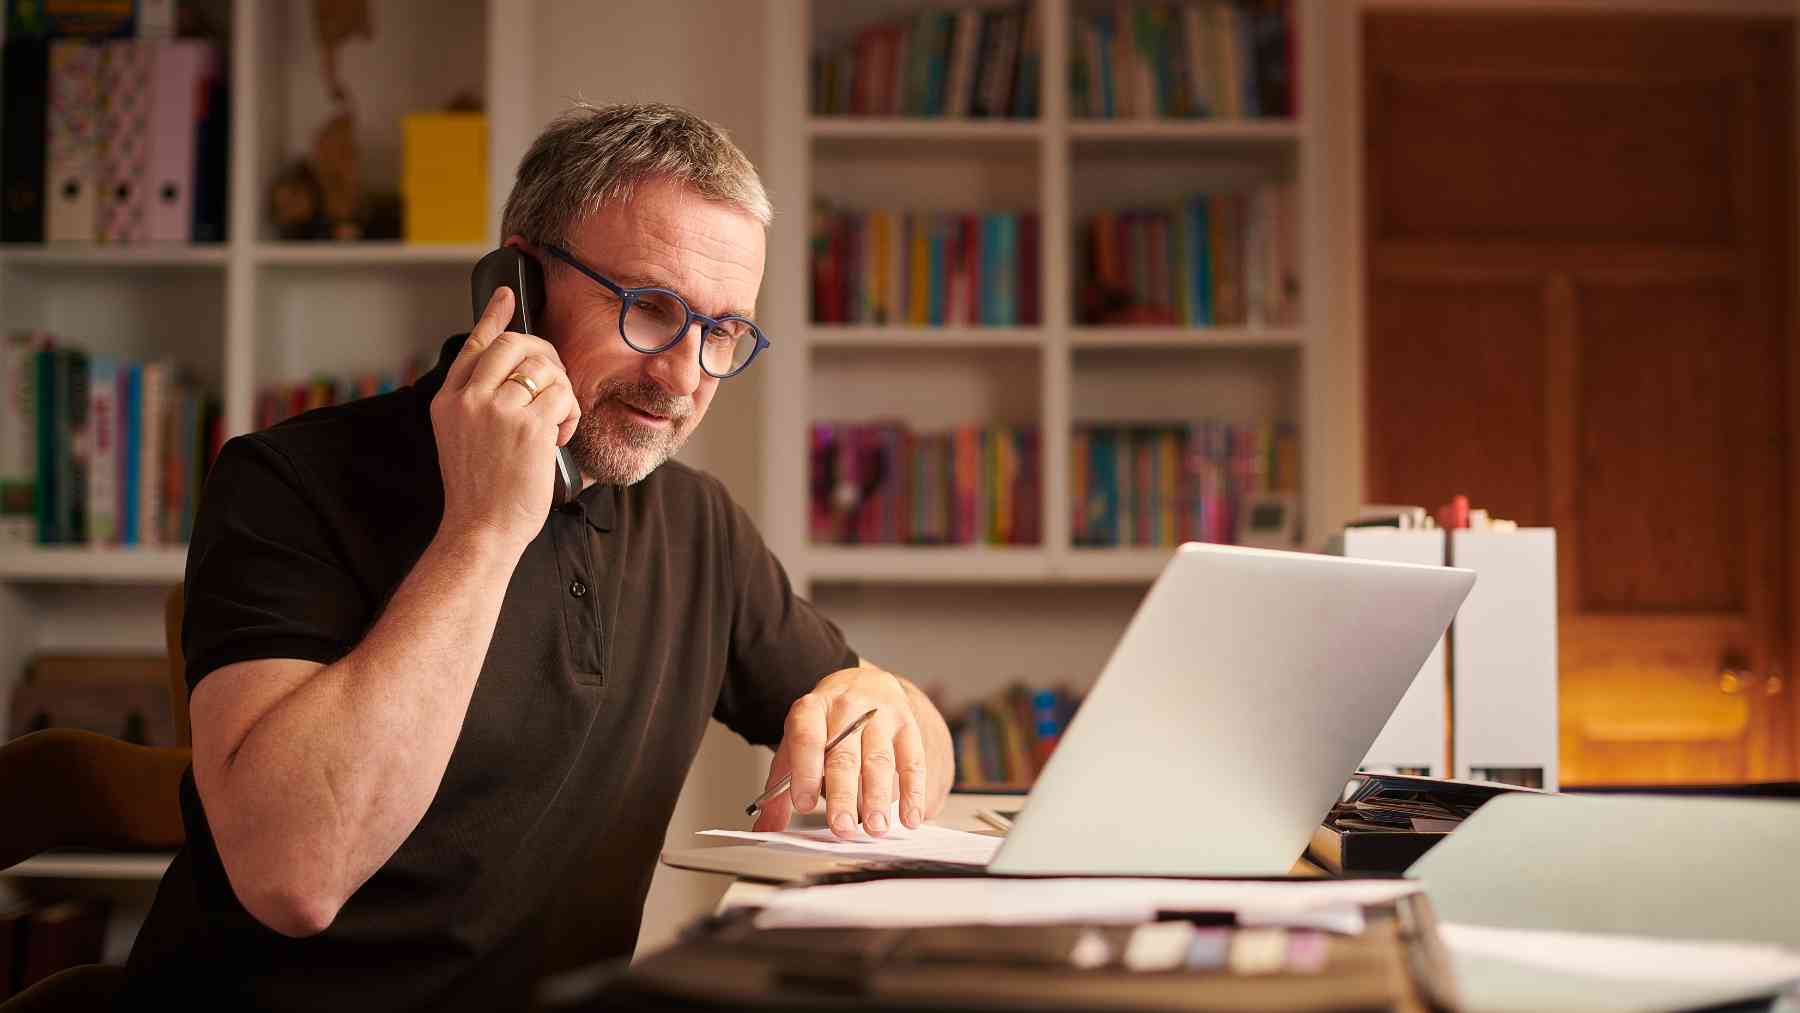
(125, 75)
(72, 126)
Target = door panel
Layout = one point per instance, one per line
(1663, 437)
(1630, 161)
(1457, 358)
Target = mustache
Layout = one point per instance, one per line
(648, 397)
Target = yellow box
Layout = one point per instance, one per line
(443, 177)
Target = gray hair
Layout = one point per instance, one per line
(592, 156)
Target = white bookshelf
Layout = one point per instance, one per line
(1054, 375)
(254, 310)
(157, 565)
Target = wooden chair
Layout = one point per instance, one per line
(79, 789)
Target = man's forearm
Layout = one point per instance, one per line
(325, 786)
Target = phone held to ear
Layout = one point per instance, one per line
(519, 271)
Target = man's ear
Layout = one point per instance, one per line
(518, 242)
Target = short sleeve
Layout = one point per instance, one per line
(264, 577)
(781, 645)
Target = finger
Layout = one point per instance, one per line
(878, 772)
(909, 755)
(556, 403)
(505, 354)
(843, 772)
(571, 416)
(493, 320)
(541, 371)
(804, 739)
(776, 812)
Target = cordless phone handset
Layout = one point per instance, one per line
(519, 271)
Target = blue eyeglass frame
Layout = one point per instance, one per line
(629, 296)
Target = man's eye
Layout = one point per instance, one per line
(720, 336)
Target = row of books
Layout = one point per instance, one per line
(1224, 58)
(882, 483)
(1164, 485)
(924, 268)
(98, 450)
(1005, 740)
(114, 141)
(278, 402)
(1215, 259)
(979, 62)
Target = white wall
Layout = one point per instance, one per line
(705, 55)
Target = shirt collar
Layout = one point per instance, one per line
(598, 503)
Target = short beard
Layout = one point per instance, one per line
(612, 451)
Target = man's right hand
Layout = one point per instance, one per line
(495, 440)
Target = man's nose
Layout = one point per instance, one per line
(677, 369)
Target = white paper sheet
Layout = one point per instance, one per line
(927, 842)
(912, 903)
(1516, 969)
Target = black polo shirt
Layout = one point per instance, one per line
(635, 615)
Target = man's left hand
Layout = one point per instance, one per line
(896, 754)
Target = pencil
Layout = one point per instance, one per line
(786, 779)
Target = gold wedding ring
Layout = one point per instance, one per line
(526, 382)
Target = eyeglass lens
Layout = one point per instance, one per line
(655, 318)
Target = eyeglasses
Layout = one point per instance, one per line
(653, 320)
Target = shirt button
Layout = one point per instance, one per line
(577, 588)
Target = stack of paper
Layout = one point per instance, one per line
(928, 843)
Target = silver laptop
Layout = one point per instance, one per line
(1246, 689)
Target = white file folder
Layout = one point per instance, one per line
(1503, 657)
(1413, 740)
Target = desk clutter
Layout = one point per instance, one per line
(99, 450)
(1144, 944)
(1387, 821)
(1538, 901)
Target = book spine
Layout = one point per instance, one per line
(151, 409)
(103, 411)
(130, 450)
(966, 37)
(49, 470)
(18, 441)
(76, 458)
(1027, 71)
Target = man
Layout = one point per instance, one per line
(422, 700)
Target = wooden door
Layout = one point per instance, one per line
(1578, 314)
